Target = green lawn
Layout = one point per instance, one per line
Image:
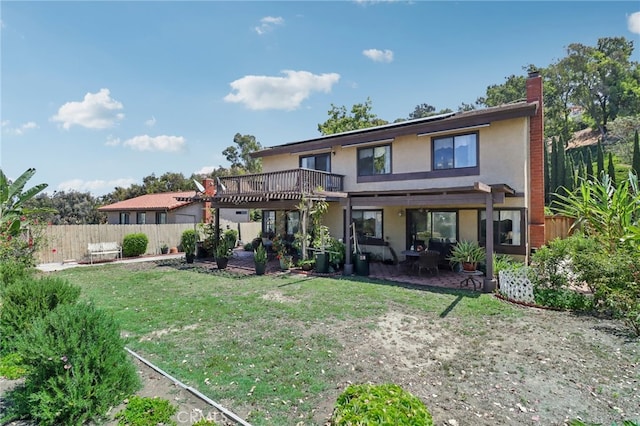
(265, 345)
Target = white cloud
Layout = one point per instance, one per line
(156, 143)
(20, 130)
(205, 170)
(267, 23)
(150, 122)
(102, 186)
(379, 55)
(287, 93)
(111, 141)
(96, 111)
(633, 22)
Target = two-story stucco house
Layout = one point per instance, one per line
(434, 179)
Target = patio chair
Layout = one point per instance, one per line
(428, 260)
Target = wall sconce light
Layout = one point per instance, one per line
(400, 213)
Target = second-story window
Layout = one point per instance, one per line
(374, 161)
(320, 162)
(453, 152)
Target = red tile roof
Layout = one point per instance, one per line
(160, 201)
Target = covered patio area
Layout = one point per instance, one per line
(242, 263)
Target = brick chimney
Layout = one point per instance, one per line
(209, 191)
(536, 162)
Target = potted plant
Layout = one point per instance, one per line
(468, 254)
(188, 242)
(164, 249)
(280, 247)
(223, 253)
(306, 264)
(260, 259)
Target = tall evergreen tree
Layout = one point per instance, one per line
(581, 172)
(589, 163)
(569, 175)
(547, 176)
(611, 171)
(600, 159)
(553, 185)
(635, 163)
(561, 163)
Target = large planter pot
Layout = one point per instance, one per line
(285, 262)
(322, 263)
(361, 263)
(222, 262)
(201, 251)
(260, 268)
(190, 257)
(468, 266)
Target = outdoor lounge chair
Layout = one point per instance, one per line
(428, 260)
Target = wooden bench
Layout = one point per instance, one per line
(104, 248)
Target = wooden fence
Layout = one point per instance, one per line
(556, 227)
(69, 242)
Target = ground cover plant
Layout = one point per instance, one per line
(279, 349)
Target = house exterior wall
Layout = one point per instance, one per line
(501, 159)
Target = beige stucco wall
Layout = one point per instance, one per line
(502, 159)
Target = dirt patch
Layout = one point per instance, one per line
(544, 369)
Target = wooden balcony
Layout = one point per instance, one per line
(282, 185)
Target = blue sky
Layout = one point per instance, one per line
(100, 94)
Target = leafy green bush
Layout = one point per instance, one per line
(27, 300)
(231, 236)
(11, 366)
(77, 368)
(379, 404)
(144, 411)
(188, 241)
(134, 245)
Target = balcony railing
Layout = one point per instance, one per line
(285, 182)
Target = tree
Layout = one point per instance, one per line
(635, 163)
(426, 110)
(589, 164)
(547, 176)
(13, 198)
(511, 90)
(600, 159)
(607, 82)
(611, 170)
(340, 121)
(559, 86)
(68, 208)
(240, 155)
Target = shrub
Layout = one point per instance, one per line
(77, 368)
(231, 236)
(12, 367)
(248, 247)
(134, 245)
(144, 411)
(12, 269)
(188, 241)
(379, 404)
(27, 300)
